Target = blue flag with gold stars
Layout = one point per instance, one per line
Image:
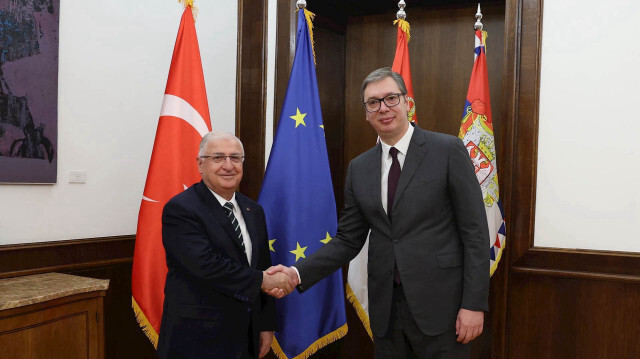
(298, 200)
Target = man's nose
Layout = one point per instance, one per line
(227, 162)
(383, 107)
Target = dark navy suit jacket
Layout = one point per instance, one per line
(213, 305)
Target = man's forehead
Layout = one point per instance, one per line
(381, 88)
(224, 143)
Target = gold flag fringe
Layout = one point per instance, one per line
(404, 25)
(142, 320)
(310, 16)
(364, 318)
(194, 9)
(484, 40)
(313, 348)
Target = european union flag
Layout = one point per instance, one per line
(298, 200)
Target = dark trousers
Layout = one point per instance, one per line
(405, 340)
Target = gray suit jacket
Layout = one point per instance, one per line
(439, 235)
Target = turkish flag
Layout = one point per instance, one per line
(184, 120)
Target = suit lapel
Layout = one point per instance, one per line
(249, 215)
(215, 209)
(374, 167)
(416, 151)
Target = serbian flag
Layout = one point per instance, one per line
(476, 131)
(402, 65)
(184, 119)
(357, 289)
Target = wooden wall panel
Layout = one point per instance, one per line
(251, 91)
(557, 317)
(330, 50)
(441, 50)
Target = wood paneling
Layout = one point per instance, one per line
(251, 91)
(285, 52)
(559, 317)
(441, 49)
(72, 255)
(330, 50)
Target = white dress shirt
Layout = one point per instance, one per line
(402, 146)
(243, 227)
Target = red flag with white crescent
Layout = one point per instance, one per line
(184, 119)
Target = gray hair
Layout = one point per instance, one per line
(381, 74)
(214, 136)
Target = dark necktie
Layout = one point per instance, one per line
(228, 207)
(392, 184)
(392, 181)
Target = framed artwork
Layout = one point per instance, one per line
(28, 90)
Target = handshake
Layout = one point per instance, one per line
(279, 280)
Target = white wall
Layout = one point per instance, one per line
(113, 65)
(271, 70)
(588, 193)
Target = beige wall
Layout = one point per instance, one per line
(588, 195)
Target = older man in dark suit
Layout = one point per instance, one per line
(217, 249)
(428, 261)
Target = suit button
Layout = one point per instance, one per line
(395, 241)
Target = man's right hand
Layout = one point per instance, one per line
(276, 284)
(292, 277)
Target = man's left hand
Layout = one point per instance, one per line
(469, 325)
(265, 343)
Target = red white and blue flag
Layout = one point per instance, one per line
(476, 131)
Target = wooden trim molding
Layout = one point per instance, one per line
(619, 266)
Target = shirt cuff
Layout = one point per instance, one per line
(298, 273)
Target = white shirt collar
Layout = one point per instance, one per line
(402, 145)
(223, 201)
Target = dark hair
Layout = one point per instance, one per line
(381, 74)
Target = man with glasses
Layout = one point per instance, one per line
(428, 261)
(217, 251)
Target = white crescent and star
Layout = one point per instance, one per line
(175, 106)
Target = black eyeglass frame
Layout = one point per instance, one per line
(380, 100)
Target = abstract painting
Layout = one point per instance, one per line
(28, 90)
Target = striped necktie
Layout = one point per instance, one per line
(228, 207)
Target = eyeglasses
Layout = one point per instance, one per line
(236, 159)
(373, 105)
